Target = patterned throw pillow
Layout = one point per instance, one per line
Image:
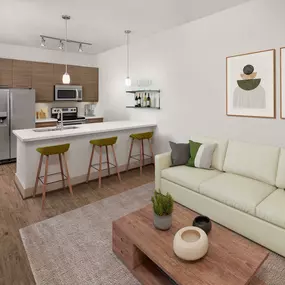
(201, 155)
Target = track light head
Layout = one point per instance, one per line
(61, 46)
(43, 42)
(80, 49)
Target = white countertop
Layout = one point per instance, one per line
(29, 135)
(46, 120)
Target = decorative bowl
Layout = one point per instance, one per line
(190, 243)
(203, 223)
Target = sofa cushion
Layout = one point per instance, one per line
(187, 176)
(236, 191)
(252, 160)
(280, 178)
(220, 150)
(272, 209)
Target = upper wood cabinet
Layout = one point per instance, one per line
(22, 74)
(89, 81)
(43, 76)
(6, 72)
(43, 81)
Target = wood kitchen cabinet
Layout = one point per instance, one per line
(6, 72)
(46, 124)
(43, 81)
(94, 120)
(22, 74)
(89, 81)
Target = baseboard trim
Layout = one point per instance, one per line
(28, 192)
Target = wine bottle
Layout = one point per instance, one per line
(139, 100)
(148, 103)
(145, 100)
(136, 100)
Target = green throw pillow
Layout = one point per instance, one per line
(201, 155)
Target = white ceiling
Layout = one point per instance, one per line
(101, 22)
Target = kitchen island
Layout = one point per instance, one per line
(79, 153)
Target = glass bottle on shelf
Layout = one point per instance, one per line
(153, 100)
(139, 100)
(136, 100)
(148, 101)
(145, 100)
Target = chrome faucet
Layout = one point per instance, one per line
(60, 116)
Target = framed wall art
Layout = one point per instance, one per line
(282, 83)
(251, 85)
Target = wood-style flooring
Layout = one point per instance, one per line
(16, 213)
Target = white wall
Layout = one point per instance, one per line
(188, 64)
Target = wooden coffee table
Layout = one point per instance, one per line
(148, 253)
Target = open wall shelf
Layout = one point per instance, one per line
(143, 91)
(142, 95)
(157, 108)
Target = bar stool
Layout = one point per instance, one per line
(141, 137)
(103, 143)
(47, 151)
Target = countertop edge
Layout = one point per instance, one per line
(85, 133)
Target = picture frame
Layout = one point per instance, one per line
(282, 83)
(251, 84)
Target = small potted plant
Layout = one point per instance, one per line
(162, 210)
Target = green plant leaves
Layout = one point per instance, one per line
(162, 204)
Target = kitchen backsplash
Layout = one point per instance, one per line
(48, 106)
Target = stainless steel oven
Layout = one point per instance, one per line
(67, 93)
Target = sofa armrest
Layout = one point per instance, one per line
(162, 161)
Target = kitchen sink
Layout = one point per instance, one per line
(54, 129)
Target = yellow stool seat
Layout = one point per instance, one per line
(142, 136)
(104, 142)
(55, 149)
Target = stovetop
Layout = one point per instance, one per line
(69, 114)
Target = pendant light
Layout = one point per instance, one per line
(65, 77)
(128, 81)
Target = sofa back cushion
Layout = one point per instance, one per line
(252, 160)
(220, 150)
(280, 179)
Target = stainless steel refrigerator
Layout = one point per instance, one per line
(17, 111)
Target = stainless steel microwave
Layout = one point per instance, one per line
(67, 93)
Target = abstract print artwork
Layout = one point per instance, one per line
(251, 84)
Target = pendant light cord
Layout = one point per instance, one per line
(128, 56)
(65, 45)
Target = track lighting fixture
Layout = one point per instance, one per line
(43, 42)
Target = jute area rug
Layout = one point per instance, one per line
(75, 248)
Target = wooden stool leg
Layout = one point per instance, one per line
(116, 163)
(141, 158)
(143, 152)
(90, 164)
(130, 154)
(67, 174)
(61, 170)
(38, 174)
(100, 167)
(150, 148)
(108, 163)
(45, 183)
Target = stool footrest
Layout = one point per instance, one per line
(52, 174)
(134, 156)
(104, 162)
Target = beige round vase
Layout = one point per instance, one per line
(190, 243)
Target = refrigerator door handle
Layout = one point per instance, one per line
(9, 112)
